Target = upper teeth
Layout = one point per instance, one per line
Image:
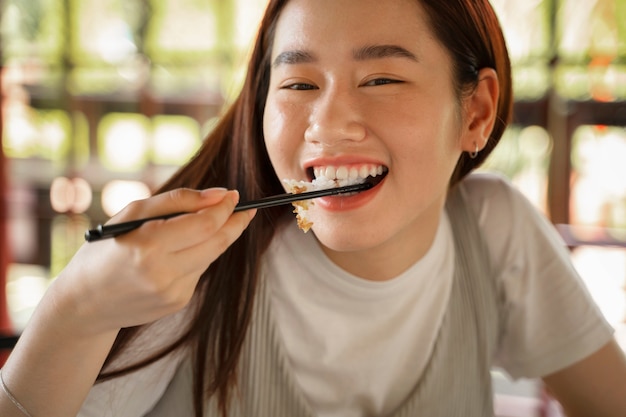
(344, 172)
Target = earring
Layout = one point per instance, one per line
(474, 154)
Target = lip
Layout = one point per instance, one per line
(342, 202)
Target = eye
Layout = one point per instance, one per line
(381, 81)
(299, 86)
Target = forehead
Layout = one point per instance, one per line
(347, 23)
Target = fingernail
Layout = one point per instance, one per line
(234, 195)
(213, 192)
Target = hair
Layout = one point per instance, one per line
(234, 156)
(471, 32)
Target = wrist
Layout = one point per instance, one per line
(68, 311)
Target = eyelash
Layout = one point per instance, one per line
(300, 87)
(371, 83)
(381, 81)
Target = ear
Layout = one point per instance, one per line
(480, 111)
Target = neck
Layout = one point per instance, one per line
(391, 258)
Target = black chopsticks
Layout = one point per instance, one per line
(112, 230)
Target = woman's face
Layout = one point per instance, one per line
(359, 83)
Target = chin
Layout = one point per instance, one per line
(343, 239)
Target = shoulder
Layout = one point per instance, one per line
(510, 224)
(522, 243)
(488, 191)
(542, 292)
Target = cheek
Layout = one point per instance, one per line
(429, 146)
(429, 128)
(280, 140)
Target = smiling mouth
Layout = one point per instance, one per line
(327, 177)
(342, 175)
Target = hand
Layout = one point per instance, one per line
(152, 271)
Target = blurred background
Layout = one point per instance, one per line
(103, 99)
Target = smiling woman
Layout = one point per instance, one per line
(400, 300)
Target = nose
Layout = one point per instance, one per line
(335, 118)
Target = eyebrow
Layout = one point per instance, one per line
(383, 51)
(293, 57)
(361, 54)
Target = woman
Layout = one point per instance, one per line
(399, 302)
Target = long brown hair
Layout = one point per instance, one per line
(234, 156)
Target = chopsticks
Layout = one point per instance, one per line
(112, 230)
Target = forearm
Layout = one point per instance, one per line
(594, 386)
(132, 280)
(52, 367)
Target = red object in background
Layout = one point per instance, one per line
(5, 322)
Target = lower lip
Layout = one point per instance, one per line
(348, 202)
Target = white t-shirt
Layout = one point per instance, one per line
(339, 330)
(350, 341)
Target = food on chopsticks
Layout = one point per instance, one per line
(325, 178)
(301, 207)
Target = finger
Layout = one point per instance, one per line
(180, 200)
(181, 232)
(210, 249)
(195, 260)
